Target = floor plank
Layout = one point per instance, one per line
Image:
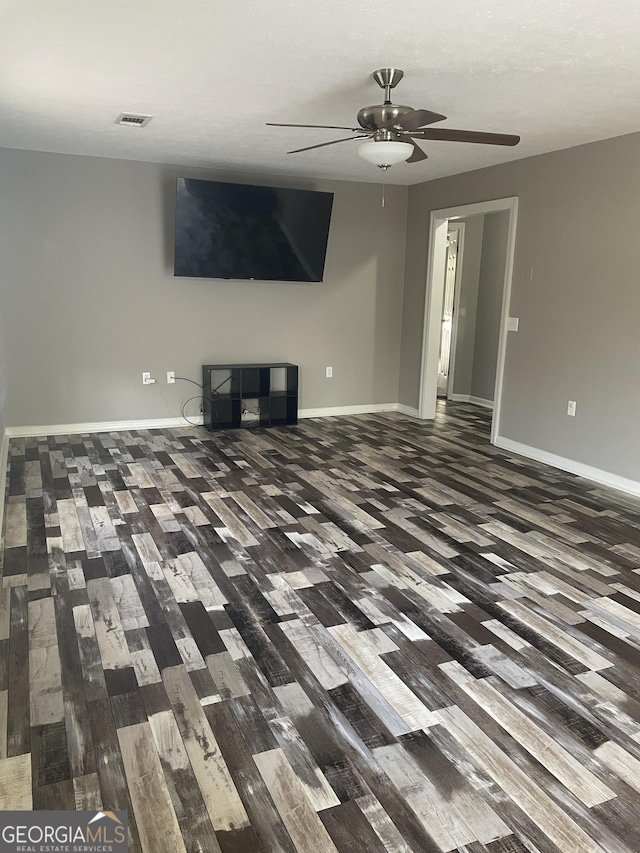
(15, 783)
(155, 817)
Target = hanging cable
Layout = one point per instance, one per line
(184, 379)
(191, 423)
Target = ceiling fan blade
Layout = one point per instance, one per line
(418, 153)
(417, 119)
(441, 134)
(326, 126)
(333, 142)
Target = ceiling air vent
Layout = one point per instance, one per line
(133, 119)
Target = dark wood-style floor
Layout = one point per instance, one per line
(360, 634)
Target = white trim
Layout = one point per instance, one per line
(438, 226)
(461, 211)
(411, 411)
(100, 426)
(4, 460)
(333, 411)
(504, 322)
(605, 478)
(163, 423)
(469, 398)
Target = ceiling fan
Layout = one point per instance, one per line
(392, 129)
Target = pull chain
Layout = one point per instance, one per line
(382, 196)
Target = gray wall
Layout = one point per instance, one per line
(467, 305)
(88, 299)
(579, 317)
(489, 307)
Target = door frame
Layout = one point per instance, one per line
(434, 293)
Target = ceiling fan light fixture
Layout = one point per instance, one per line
(385, 153)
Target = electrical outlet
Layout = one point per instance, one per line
(571, 408)
(513, 324)
(171, 377)
(147, 380)
(329, 372)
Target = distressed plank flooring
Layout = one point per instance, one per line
(359, 634)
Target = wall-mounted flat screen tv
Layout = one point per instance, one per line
(237, 231)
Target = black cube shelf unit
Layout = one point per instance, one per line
(249, 395)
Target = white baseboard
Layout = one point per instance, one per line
(407, 410)
(598, 475)
(4, 458)
(333, 411)
(162, 423)
(99, 426)
(469, 398)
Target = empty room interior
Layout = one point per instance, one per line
(319, 427)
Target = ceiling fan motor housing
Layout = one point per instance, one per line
(382, 115)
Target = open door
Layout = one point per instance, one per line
(455, 237)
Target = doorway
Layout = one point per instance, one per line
(440, 225)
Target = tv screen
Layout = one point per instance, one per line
(239, 231)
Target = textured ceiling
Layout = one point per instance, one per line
(212, 73)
